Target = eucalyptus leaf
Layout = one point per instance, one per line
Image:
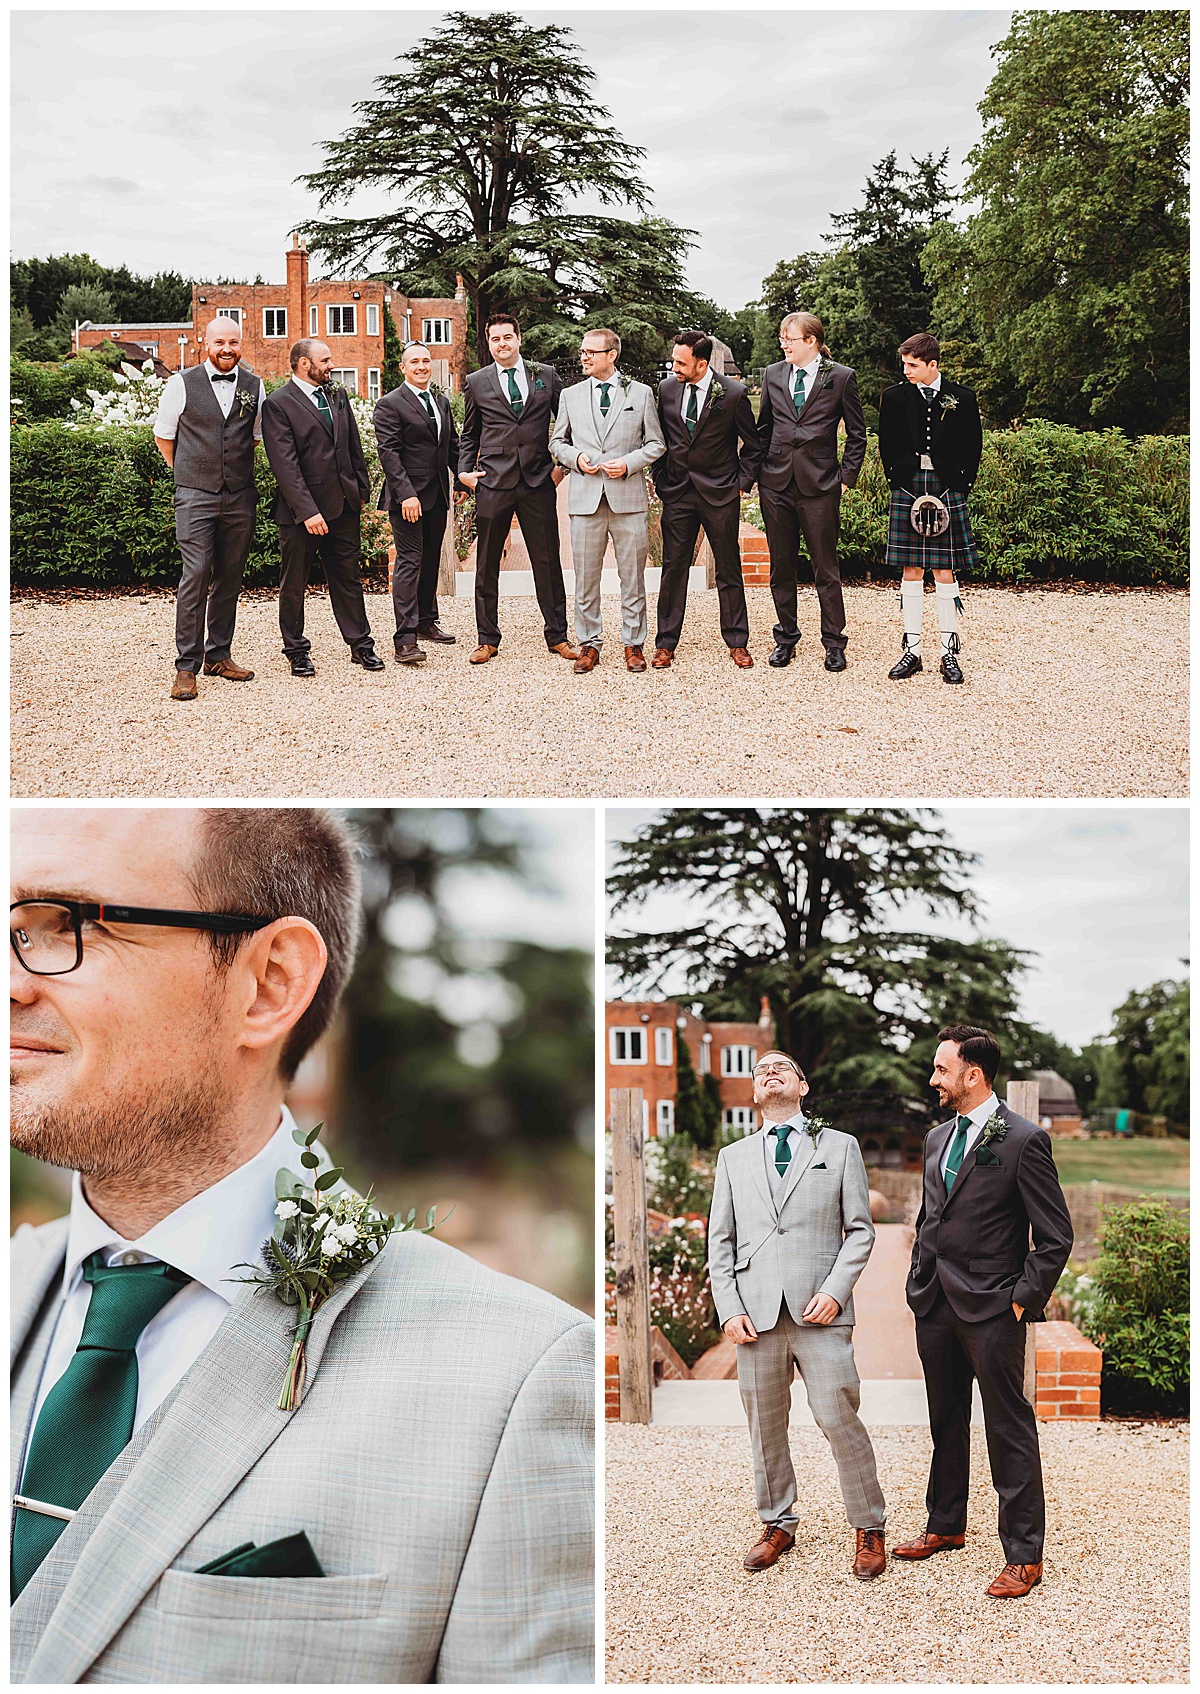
(329, 1178)
(299, 1137)
(307, 1207)
(312, 1135)
(310, 1161)
(285, 1184)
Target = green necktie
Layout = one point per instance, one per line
(957, 1148)
(798, 393)
(604, 400)
(429, 406)
(514, 394)
(323, 408)
(87, 1417)
(692, 415)
(783, 1152)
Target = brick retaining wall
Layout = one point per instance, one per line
(1068, 1373)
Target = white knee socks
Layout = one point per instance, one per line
(946, 594)
(912, 599)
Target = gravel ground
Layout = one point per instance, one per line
(1067, 694)
(1112, 1607)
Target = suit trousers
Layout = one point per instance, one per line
(787, 515)
(824, 1355)
(590, 533)
(415, 573)
(214, 532)
(340, 553)
(953, 1354)
(682, 520)
(536, 511)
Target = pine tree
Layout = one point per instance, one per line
(393, 347)
(690, 1116)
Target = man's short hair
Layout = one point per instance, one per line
(976, 1046)
(409, 345)
(501, 318)
(285, 861)
(923, 346)
(303, 349)
(700, 344)
(612, 341)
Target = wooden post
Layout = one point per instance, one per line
(1024, 1099)
(630, 1257)
(448, 563)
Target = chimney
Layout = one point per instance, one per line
(460, 292)
(766, 1023)
(297, 288)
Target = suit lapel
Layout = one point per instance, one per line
(616, 399)
(756, 1154)
(33, 1284)
(416, 405)
(800, 1163)
(964, 1170)
(168, 1482)
(706, 411)
(939, 1140)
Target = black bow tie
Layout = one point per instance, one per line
(217, 377)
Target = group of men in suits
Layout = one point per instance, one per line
(790, 1234)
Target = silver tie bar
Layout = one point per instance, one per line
(43, 1506)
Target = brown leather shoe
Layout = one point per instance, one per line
(741, 658)
(770, 1549)
(565, 650)
(408, 653)
(589, 658)
(230, 671)
(1015, 1581)
(927, 1544)
(482, 654)
(185, 686)
(662, 658)
(635, 659)
(870, 1555)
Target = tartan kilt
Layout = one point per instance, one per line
(952, 551)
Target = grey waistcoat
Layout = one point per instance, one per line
(212, 452)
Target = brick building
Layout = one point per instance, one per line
(642, 1052)
(346, 315)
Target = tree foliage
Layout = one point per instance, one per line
(42, 321)
(1147, 1064)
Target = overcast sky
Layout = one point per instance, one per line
(1099, 896)
(171, 140)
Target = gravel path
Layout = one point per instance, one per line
(1067, 694)
(1113, 1605)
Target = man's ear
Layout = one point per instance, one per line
(281, 969)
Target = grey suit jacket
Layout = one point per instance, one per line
(806, 447)
(631, 431)
(813, 1236)
(439, 1462)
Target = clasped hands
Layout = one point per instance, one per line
(611, 467)
(821, 1309)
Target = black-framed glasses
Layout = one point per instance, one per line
(47, 935)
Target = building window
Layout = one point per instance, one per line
(435, 332)
(274, 322)
(663, 1046)
(339, 320)
(666, 1117)
(312, 320)
(737, 1061)
(742, 1118)
(150, 347)
(234, 312)
(374, 386)
(348, 380)
(372, 320)
(627, 1046)
(705, 1059)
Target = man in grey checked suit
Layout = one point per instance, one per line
(789, 1235)
(424, 1513)
(606, 434)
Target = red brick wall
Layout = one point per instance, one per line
(664, 1361)
(167, 339)
(659, 1082)
(1068, 1373)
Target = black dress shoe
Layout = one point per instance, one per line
(368, 658)
(431, 632)
(950, 668)
(302, 665)
(908, 664)
(782, 655)
(835, 659)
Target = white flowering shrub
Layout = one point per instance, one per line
(134, 400)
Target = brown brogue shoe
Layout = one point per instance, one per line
(408, 653)
(926, 1545)
(435, 632)
(564, 650)
(870, 1555)
(741, 658)
(230, 671)
(635, 659)
(662, 658)
(774, 1544)
(589, 658)
(1015, 1581)
(482, 654)
(184, 687)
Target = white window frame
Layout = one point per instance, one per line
(740, 1117)
(234, 312)
(664, 1044)
(277, 312)
(313, 320)
(666, 1117)
(374, 384)
(437, 332)
(348, 379)
(615, 1045)
(347, 307)
(704, 1058)
(738, 1060)
(372, 319)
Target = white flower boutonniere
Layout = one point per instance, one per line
(813, 1127)
(247, 402)
(995, 1129)
(948, 402)
(717, 390)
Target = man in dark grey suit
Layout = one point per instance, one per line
(505, 459)
(417, 440)
(804, 398)
(312, 442)
(208, 421)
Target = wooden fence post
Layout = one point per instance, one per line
(629, 1255)
(448, 562)
(1024, 1099)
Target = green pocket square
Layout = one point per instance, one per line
(292, 1556)
(985, 1156)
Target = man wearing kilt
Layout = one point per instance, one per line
(930, 442)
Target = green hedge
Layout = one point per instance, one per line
(41, 391)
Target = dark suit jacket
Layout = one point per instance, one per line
(806, 446)
(316, 473)
(417, 459)
(707, 463)
(975, 1240)
(956, 441)
(495, 440)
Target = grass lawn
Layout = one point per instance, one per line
(1159, 1167)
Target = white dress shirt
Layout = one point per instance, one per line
(809, 372)
(311, 389)
(437, 416)
(933, 387)
(702, 387)
(208, 1237)
(522, 376)
(979, 1116)
(771, 1141)
(173, 400)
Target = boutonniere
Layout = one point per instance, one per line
(717, 391)
(813, 1127)
(948, 402)
(321, 1238)
(995, 1129)
(247, 402)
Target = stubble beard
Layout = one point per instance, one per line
(178, 1124)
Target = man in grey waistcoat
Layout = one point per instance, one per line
(789, 1235)
(606, 434)
(208, 420)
